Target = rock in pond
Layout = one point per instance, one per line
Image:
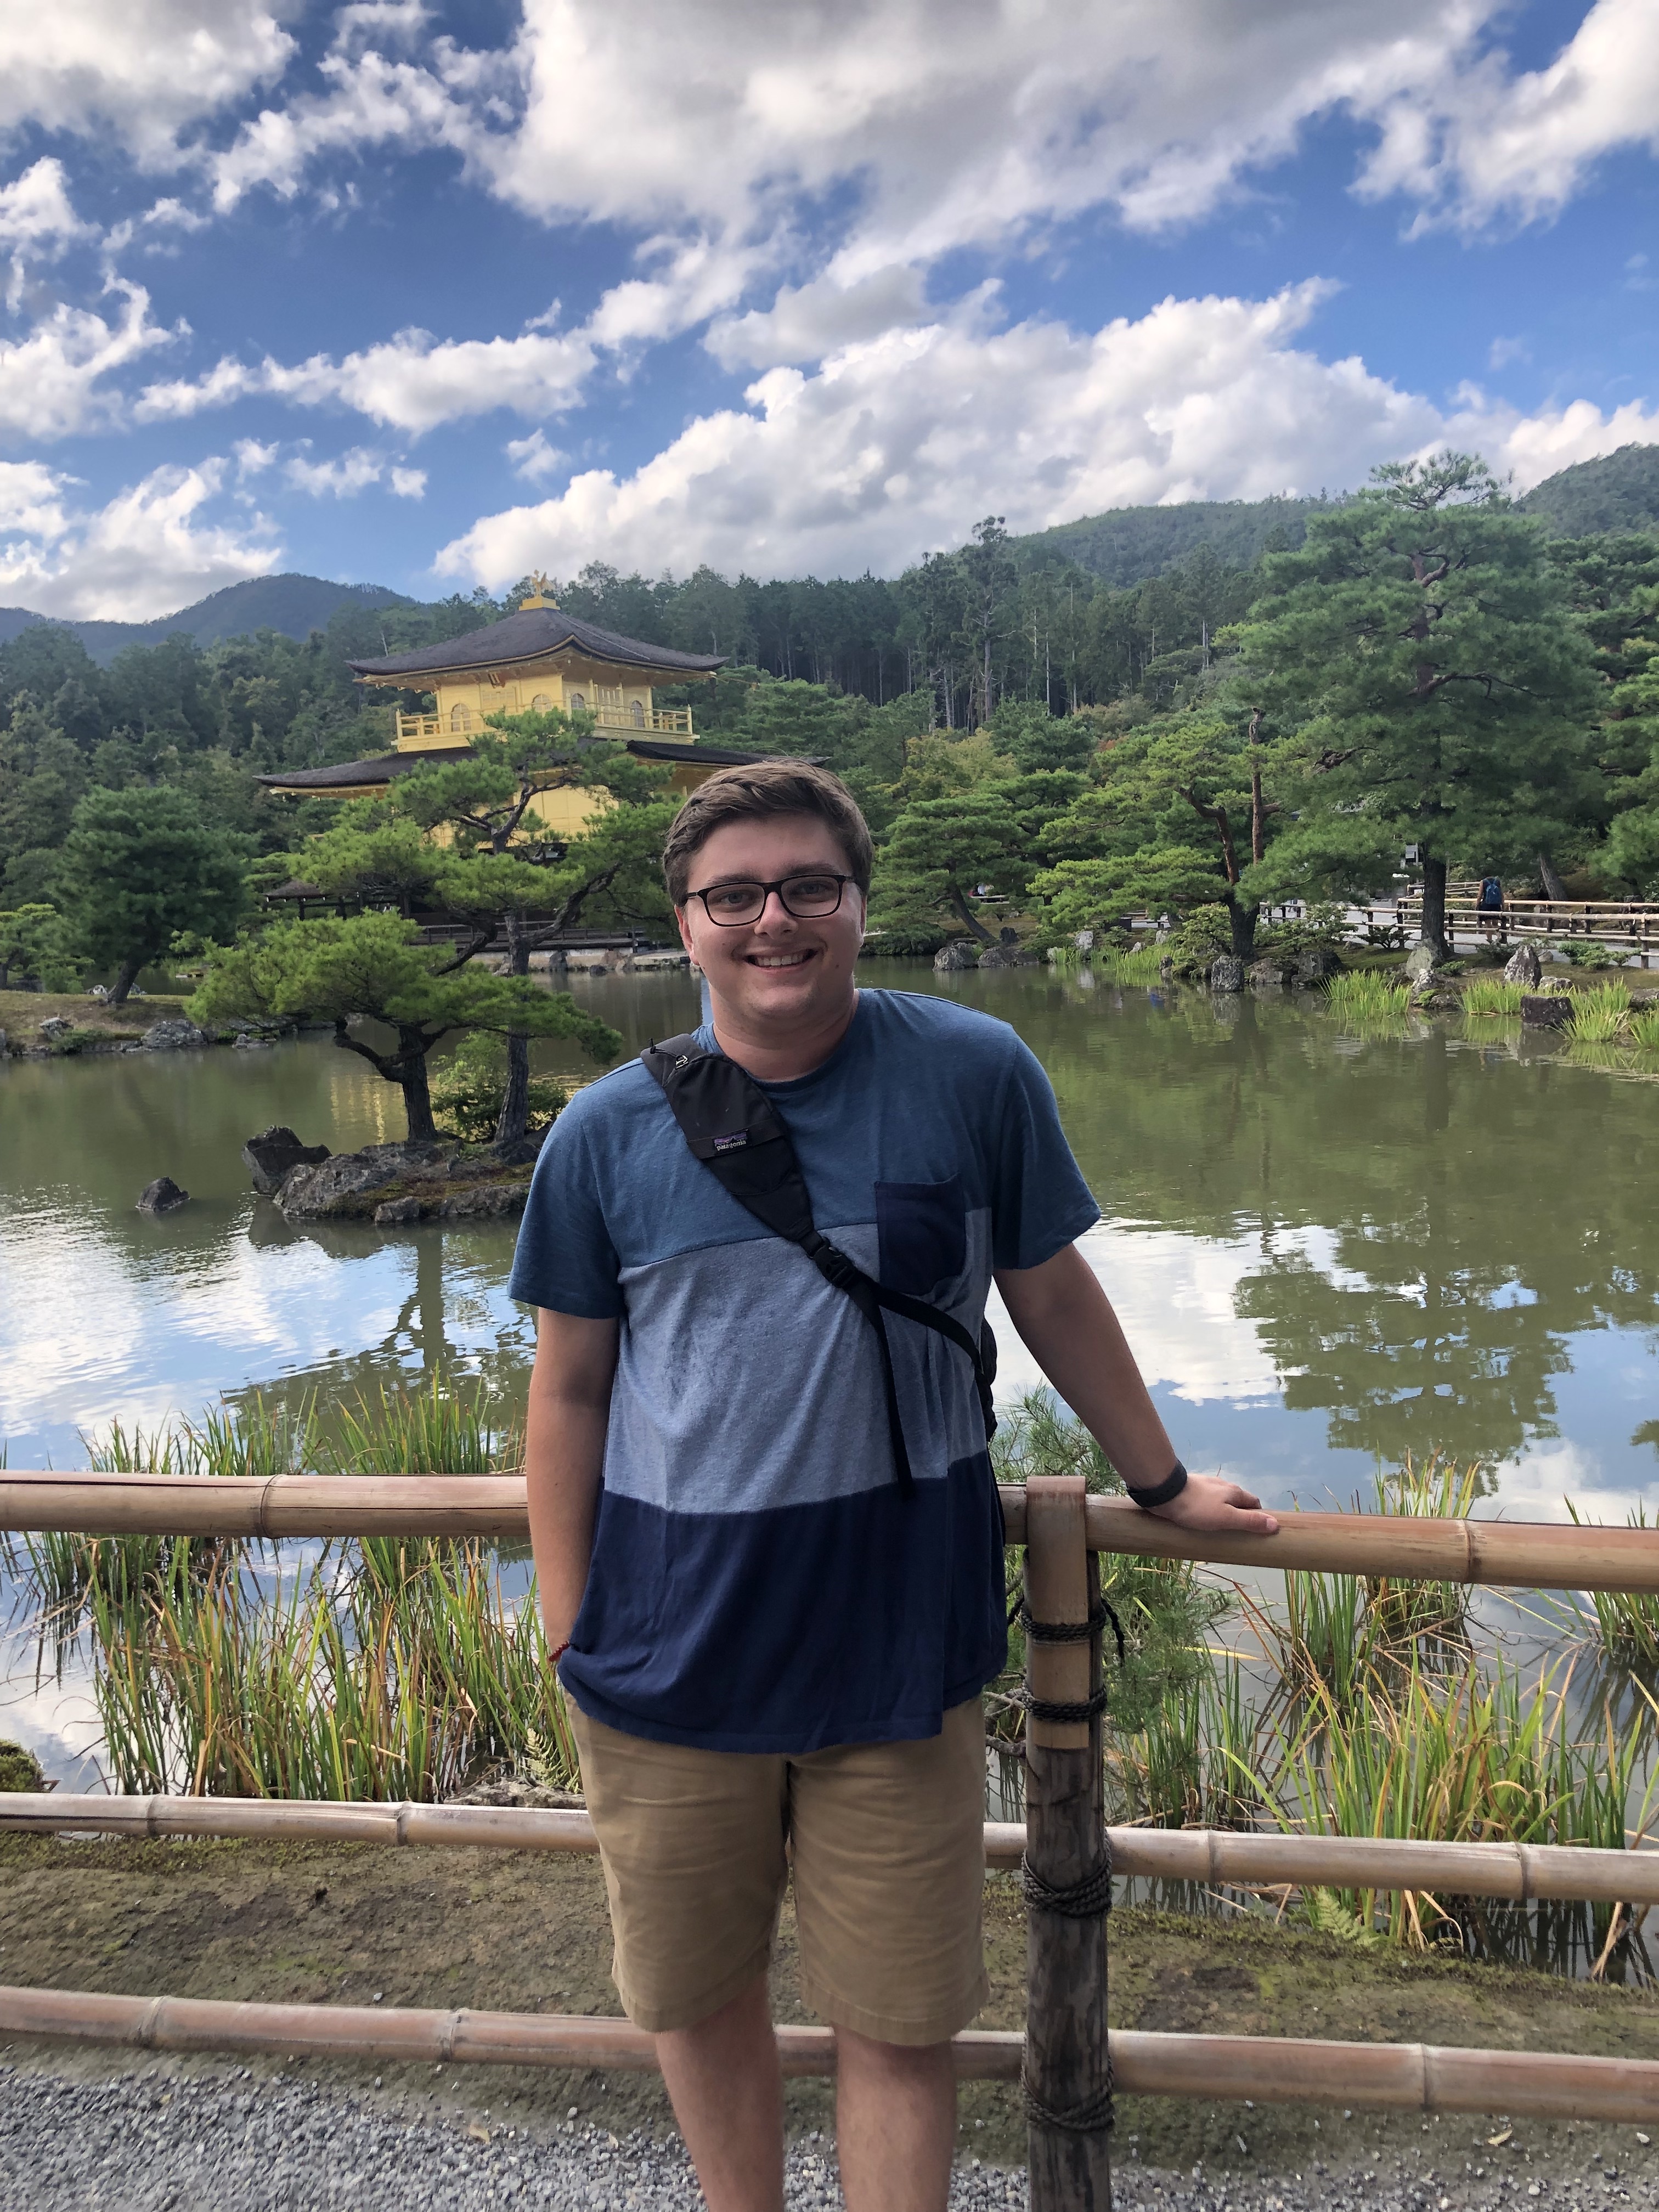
(1005, 955)
(175, 1034)
(1227, 973)
(957, 954)
(1421, 964)
(162, 1196)
(1264, 975)
(54, 1027)
(446, 1182)
(1550, 1012)
(1315, 964)
(269, 1156)
(1524, 966)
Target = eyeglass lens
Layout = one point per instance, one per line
(806, 897)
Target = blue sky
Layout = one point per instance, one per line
(427, 296)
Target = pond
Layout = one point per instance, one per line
(1328, 1249)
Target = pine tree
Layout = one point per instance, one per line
(1420, 645)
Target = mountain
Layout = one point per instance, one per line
(1126, 544)
(295, 605)
(1619, 491)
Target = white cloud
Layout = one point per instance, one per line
(142, 70)
(342, 477)
(174, 215)
(369, 103)
(53, 381)
(899, 443)
(1482, 144)
(145, 553)
(1503, 351)
(533, 459)
(32, 500)
(412, 382)
(35, 214)
(409, 483)
(252, 457)
(810, 320)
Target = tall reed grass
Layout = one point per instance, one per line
(1491, 994)
(1368, 994)
(1138, 968)
(1601, 1014)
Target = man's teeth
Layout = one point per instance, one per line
(778, 960)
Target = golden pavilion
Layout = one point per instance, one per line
(533, 660)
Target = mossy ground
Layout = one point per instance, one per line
(22, 1014)
(520, 1931)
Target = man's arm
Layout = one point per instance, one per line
(564, 1458)
(1068, 1326)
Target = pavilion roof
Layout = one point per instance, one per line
(531, 633)
(380, 768)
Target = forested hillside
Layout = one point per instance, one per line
(1026, 725)
(294, 604)
(1619, 491)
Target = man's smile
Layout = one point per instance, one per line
(779, 959)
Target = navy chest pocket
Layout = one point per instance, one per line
(922, 1234)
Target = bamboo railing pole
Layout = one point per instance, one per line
(280, 1505)
(1506, 1554)
(1510, 1554)
(1222, 1857)
(1268, 2070)
(1067, 2066)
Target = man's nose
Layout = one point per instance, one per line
(773, 911)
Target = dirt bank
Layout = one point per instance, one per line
(317, 1923)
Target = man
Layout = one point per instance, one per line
(772, 1643)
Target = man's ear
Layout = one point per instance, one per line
(686, 934)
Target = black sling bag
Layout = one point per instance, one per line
(731, 1126)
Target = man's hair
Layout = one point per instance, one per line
(754, 794)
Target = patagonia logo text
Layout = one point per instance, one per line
(731, 1144)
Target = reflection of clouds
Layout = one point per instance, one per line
(1175, 1297)
(57, 1720)
(96, 1331)
(1535, 1484)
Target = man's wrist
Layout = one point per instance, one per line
(1159, 1493)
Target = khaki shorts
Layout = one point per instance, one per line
(886, 1842)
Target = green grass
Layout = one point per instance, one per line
(1139, 966)
(1491, 994)
(1368, 994)
(1644, 1028)
(1600, 1015)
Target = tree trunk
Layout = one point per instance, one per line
(972, 921)
(124, 981)
(1243, 919)
(1434, 908)
(515, 1119)
(411, 1075)
(1553, 886)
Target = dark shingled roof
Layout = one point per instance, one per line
(380, 768)
(530, 633)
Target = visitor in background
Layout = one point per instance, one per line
(1491, 904)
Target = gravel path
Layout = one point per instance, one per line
(154, 2141)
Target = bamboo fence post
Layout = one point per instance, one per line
(1067, 2077)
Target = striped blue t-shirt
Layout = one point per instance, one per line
(758, 1583)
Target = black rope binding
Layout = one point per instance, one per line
(1061, 1710)
(1088, 1898)
(1094, 2116)
(1070, 1631)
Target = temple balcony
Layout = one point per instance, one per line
(422, 732)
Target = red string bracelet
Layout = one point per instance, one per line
(554, 1657)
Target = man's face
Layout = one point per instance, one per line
(778, 970)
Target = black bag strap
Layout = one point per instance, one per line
(731, 1125)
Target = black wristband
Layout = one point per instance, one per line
(1171, 1486)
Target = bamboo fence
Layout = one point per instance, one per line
(1282, 2070)
(1222, 1858)
(1509, 1554)
(1062, 2059)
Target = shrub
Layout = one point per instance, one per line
(1585, 952)
(467, 1091)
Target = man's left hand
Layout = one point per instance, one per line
(1209, 1502)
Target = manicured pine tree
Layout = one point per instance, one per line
(1420, 647)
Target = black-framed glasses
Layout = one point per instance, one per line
(809, 896)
